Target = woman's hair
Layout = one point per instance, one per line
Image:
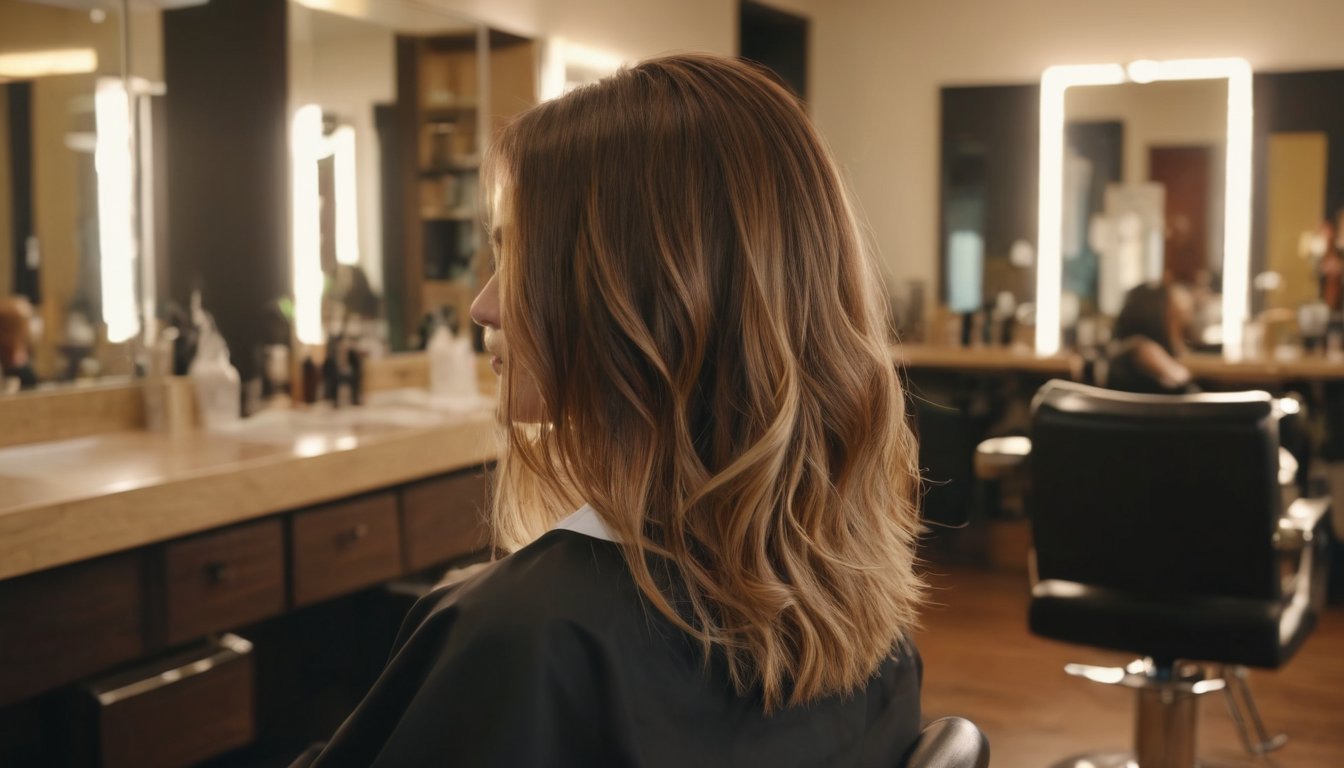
(1146, 312)
(682, 275)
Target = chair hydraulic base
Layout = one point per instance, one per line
(1164, 729)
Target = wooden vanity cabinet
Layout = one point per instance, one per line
(223, 580)
(132, 615)
(63, 624)
(443, 518)
(341, 547)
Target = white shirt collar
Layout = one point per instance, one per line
(587, 522)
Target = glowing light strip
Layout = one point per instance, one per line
(1237, 217)
(306, 258)
(116, 189)
(346, 194)
(63, 61)
(1050, 210)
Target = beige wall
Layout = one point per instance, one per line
(878, 65)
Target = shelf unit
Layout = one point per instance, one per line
(453, 91)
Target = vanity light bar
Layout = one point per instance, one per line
(1237, 233)
(116, 216)
(306, 147)
(347, 195)
(24, 65)
(1050, 214)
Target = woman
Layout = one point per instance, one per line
(693, 356)
(1149, 339)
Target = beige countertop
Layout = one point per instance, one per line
(69, 500)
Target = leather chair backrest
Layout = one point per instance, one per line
(1156, 494)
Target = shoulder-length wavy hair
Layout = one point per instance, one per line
(682, 275)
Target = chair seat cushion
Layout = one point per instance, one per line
(1256, 633)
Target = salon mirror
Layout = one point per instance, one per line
(74, 220)
(392, 105)
(1145, 177)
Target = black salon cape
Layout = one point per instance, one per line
(549, 657)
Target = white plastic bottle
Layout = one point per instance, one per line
(452, 365)
(214, 379)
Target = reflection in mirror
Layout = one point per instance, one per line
(71, 276)
(1143, 194)
(391, 107)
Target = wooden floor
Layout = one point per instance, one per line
(980, 662)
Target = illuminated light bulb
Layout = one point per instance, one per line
(346, 194)
(1143, 71)
(116, 217)
(62, 61)
(305, 148)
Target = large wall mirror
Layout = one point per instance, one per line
(76, 237)
(392, 106)
(1142, 167)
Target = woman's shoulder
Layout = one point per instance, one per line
(563, 577)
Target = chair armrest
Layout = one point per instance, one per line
(949, 742)
(1000, 456)
(1298, 523)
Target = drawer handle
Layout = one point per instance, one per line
(218, 573)
(355, 533)
(227, 648)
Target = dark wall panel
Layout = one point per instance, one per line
(776, 39)
(225, 65)
(993, 133)
(1297, 101)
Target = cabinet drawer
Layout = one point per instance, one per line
(176, 712)
(70, 622)
(443, 518)
(223, 580)
(344, 546)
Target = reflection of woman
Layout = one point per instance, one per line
(15, 341)
(683, 302)
(1149, 337)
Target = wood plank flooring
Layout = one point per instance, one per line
(981, 662)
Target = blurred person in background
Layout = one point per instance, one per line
(16, 362)
(1149, 340)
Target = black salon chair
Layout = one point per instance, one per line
(1160, 527)
(949, 742)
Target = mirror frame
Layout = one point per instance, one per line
(1055, 81)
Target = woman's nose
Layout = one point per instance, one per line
(485, 309)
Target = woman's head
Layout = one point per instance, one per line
(692, 341)
(1161, 312)
(15, 335)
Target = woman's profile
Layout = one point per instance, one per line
(706, 481)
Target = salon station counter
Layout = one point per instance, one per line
(128, 553)
(71, 500)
